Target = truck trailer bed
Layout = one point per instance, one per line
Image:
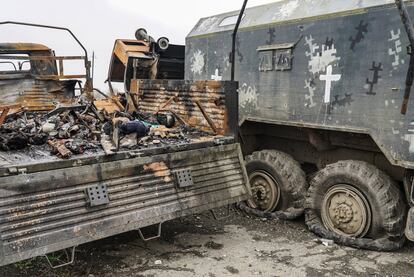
(48, 203)
(42, 153)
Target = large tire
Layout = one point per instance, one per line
(287, 175)
(341, 192)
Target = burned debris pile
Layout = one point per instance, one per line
(76, 129)
(44, 108)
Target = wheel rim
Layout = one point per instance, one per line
(265, 190)
(345, 211)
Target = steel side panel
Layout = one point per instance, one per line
(46, 212)
(365, 49)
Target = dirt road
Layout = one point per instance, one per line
(237, 246)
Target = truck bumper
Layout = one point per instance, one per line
(48, 211)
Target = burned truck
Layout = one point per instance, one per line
(322, 93)
(75, 168)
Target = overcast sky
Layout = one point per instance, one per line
(98, 23)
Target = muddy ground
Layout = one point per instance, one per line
(237, 246)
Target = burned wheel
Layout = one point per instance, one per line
(345, 211)
(354, 199)
(277, 181)
(265, 190)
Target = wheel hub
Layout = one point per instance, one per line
(260, 193)
(342, 213)
(346, 211)
(265, 190)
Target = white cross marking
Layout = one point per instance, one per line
(329, 78)
(216, 76)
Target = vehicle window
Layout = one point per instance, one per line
(24, 65)
(14, 66)
(7, 66)
(266, 61)
(230, 20)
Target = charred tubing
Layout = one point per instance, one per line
(290, 214)
(233, 39)
(406, 20)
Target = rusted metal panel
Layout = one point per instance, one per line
(36, 95)
(43, 66)
(124, 48)
(144, 59)
(123, 51)
(4, 110)
(218, 100)
(42, 213)
(41, 87)
(22, 47)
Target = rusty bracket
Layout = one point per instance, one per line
(179, 118)
(5, 110)
(111, 97)
(81, 120)
(70, 259)
(209, 120)
(166, 104)
(151, 238)
(60, 147)
(131, 103)
(98, 114)
(61, 109)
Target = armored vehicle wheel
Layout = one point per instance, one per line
(353, 199)
(277, 180)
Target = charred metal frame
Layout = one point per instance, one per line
(141, 186)
(87, 63)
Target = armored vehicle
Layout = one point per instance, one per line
(321, 89)
(73, 191)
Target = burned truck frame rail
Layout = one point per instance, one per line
(52, 205)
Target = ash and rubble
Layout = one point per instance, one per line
(74, 130)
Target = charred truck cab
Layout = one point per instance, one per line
(321, 89)
(31, 77)
(75, 169)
